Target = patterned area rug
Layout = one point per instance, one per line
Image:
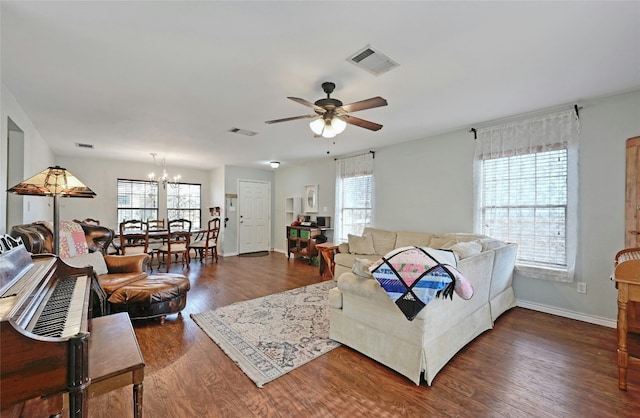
(272, 335)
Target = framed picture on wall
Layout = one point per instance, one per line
(311, 198)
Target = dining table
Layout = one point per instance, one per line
(133, 236)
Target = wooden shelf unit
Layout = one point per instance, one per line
(301, 241)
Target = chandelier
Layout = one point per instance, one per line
(164, 179)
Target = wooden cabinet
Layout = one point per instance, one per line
(301, 241)
(632, 195)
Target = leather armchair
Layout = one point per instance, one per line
(38, 239)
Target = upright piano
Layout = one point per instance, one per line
(44, 329)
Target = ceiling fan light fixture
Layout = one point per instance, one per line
(317, 126)
(338, 125)
(328, 131)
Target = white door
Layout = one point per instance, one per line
(254, 216)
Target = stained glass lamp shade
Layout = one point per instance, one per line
(57, 182)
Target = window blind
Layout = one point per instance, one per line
(183, 202)
(354, 195)
(137, 200)
(524, 200)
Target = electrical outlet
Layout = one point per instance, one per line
(582, 287)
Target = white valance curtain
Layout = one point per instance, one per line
(543, 133)
(496, 146)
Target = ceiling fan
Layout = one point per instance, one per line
(332, 116)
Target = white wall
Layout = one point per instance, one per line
(101, 175)
(427, 185)
(231, 176)
(291, 182)
(422, 185)
(36, 159)
(605, 126)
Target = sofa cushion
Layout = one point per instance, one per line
(347, 259)
(383, 241)
(361, 245)
(441, 241)
(112, 282)
(491, 244)
(407, 238)
(96, 260)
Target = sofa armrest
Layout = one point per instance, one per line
(135, 263)
(343, 248)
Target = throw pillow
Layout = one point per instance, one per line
(72, 239)
(96, 260)
(466, 249)
(361, 268)
(361, 245)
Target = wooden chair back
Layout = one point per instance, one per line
(209, 242)
(134, 235)
(156, 224)
(178, 241)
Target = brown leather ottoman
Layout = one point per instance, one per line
(156, 295)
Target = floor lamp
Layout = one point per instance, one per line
(57, 182)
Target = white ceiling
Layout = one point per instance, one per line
(172, 78)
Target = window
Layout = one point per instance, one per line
(527, 193)
(354, 195)
(183, 202)
(137, 200)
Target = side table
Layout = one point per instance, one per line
(327, 251)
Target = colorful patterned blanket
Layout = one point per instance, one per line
(413, 276)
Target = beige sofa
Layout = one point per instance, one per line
(364, 318)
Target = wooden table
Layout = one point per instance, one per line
(327, 251)
(115, 359)
(627, 278)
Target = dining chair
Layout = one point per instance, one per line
(156, 224)
(134, 239)
(209, 241)
(177, 244)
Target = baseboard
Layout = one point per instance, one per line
(598, 320)
(230, 254)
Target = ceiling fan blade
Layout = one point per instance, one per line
(291, 118)
(362, 123)
(306, 103)
(365, 104)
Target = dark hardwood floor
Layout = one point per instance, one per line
(530, 365)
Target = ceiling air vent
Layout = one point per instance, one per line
(81, 145)
(242, 132)
(372, 61)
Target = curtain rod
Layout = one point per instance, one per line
(357, 155)
(535, 113)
